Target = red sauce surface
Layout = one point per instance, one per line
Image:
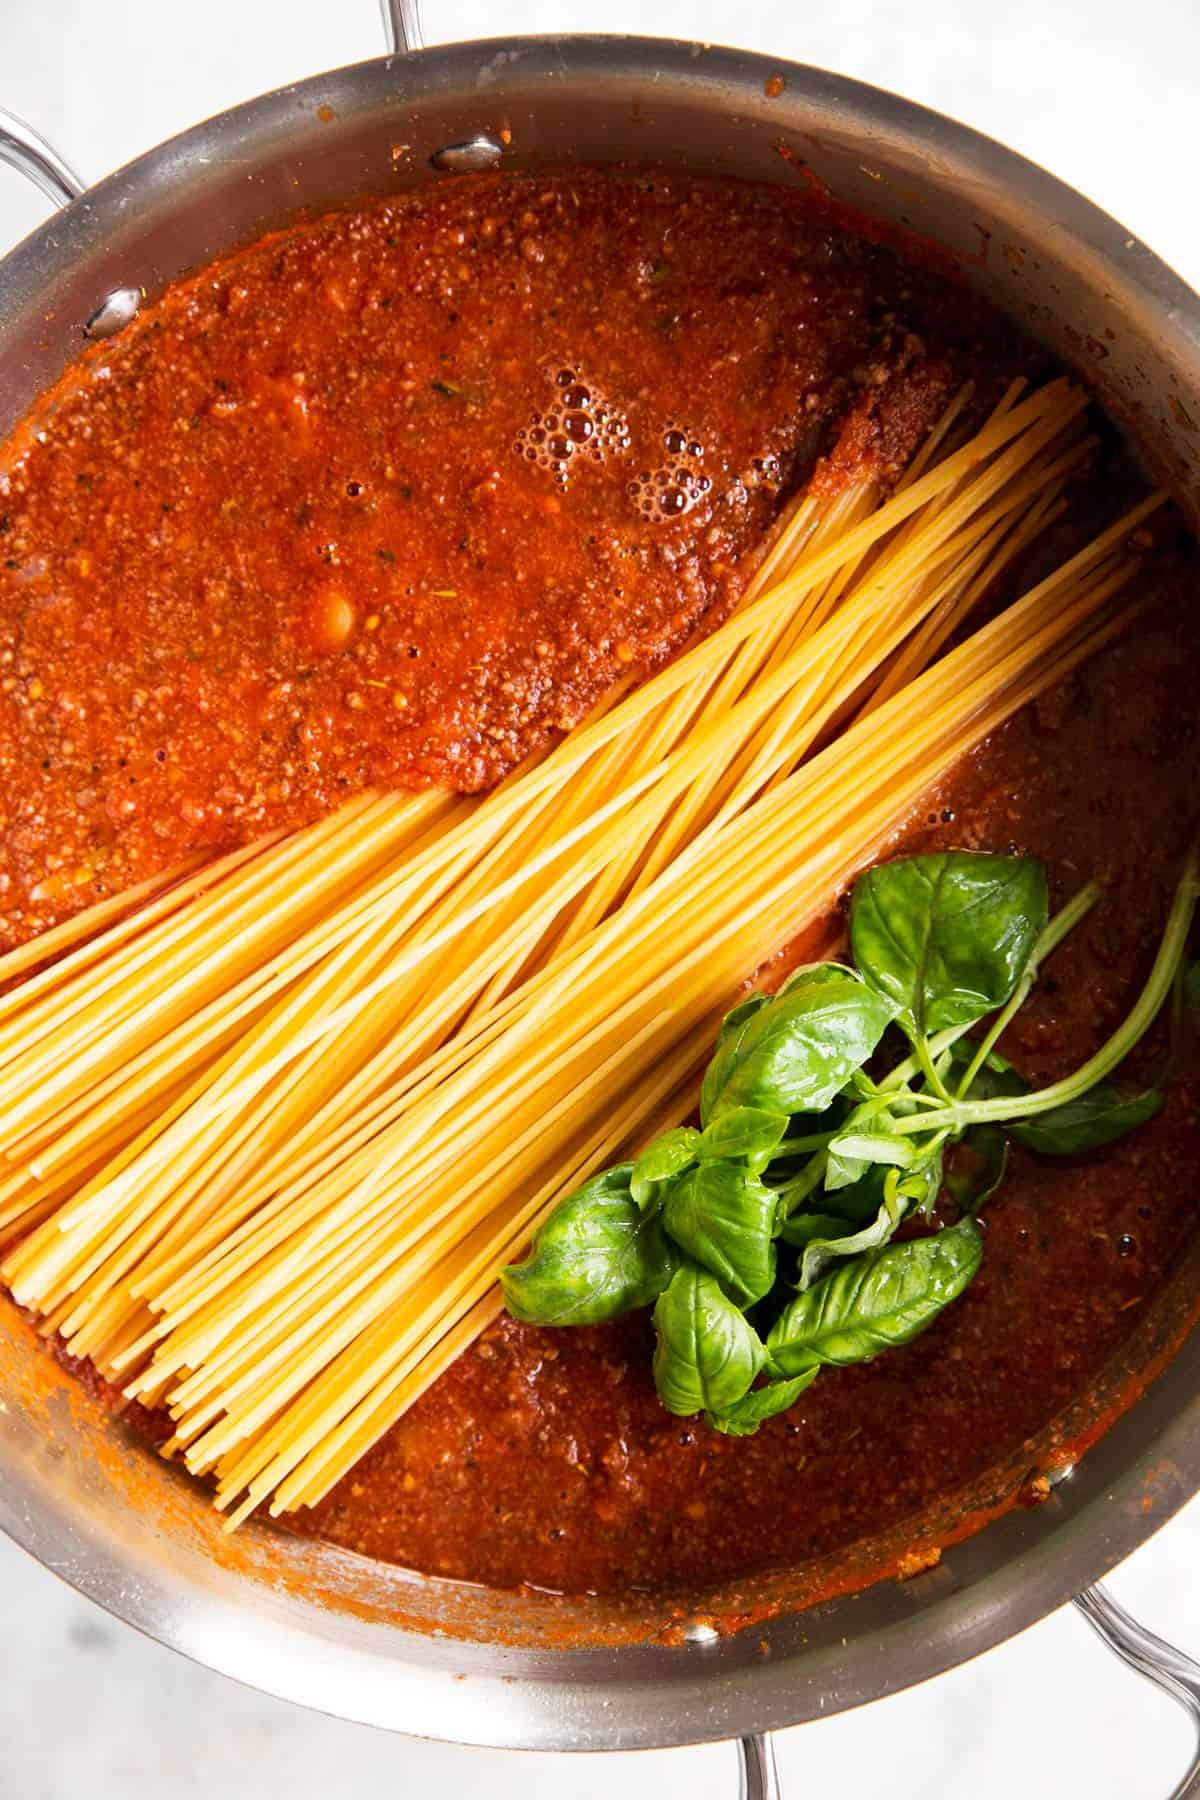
(284, 539)
(331, 514)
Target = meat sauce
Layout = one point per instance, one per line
(389, 498)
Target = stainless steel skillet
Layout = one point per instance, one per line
(432, 1657)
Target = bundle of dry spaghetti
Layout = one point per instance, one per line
(275, 1191)
(393, 872)
(343, 921)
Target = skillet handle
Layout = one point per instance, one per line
(1160, 1662)
(402, 25)
(756, 1759)
(26, 150)
(1168, 1668)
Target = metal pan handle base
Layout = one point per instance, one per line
(402, 25)
(26, 150)
(1160, 1662)
(756, 1758)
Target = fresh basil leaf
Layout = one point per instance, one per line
(821, 1253)
(979, 1166)
(946, 936)
(802, 1228)
(723, 1216)
(864, 1138)
(1105, 1113)
(738, 1015)
(660, 1161)
(745, 1131)
(810, 973)
(596, 1256)
(843, 1171)
(744, 1419)
(797, 1053)
(879, 1300)
(707, 1354)
(852, 1151)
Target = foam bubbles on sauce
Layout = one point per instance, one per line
(579, 426)
(677, 484)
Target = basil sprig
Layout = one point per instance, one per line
(766, 1239)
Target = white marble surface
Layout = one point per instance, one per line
(1100, 91)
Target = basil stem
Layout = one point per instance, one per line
(1110, 1054)
(790, 1194)
(933, 1080)
(904, 1071)
(1060, 926)
(802, 1146)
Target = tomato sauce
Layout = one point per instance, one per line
(388, 498)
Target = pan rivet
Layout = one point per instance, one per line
(468, 158)
(1057, 1476)
(699, 1633)
(114, 312)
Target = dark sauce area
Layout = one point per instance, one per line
(392, 497)
(544, 1456)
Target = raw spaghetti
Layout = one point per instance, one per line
(271, 1136)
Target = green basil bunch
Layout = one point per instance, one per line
(765, 1237)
